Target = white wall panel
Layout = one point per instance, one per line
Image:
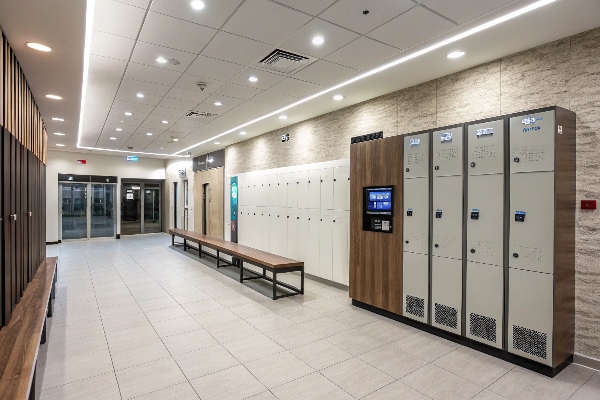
(341, 188)
(327, 189)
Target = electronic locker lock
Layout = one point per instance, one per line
(436, 245)
(409, 212)
(473, 251)
(520, 216)
(475, 214)
(437, 167)
(516, 159)
(473, 165)
(516, 255)
(438, 213)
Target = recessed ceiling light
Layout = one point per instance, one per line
(318, 40)
(218, 103)
(53, 97)
(175, 139)
(38, 46)
(129, 113)
(242, 133)
(217, 143)
(165, 122)
(253, 79)
(338, 97)
(113, 138)
(140, 95)
(59, 133)
(58, 119)
(283, 117)
(60, 145)
(162, 148)
(148, 134)
(197, 5)
(119, 129)
(162, 60)
(455, 54)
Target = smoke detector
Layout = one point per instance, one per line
(201, 86)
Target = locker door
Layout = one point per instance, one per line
(314, 189)
(252, 192)
(282, 180)
(416, 215)
(531, 241)
(242, 197)
(303, 236)
(530, 300)
(251, 228)
(292, 190)
(273, 231)
(416, 286)
(447, 152)
(341, 272)
(416, 156)
(242, 222)
(341, 188)
(326, 246)
(532, 142)
(485, 235)
(447, 217)
(312, 257)
(486, 148)
(292, 233)
(327, 189)
(485, 299)
(262, 229)
(272, 190)
(282, 232)
(303, 189)
(262, 189)
(446, 294)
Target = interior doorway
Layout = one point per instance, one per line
(86, 210)
(141, 208)
(175, 205)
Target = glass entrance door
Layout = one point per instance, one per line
(131, 217)
(87, 210)
(103, 216)
(74, 211)
(151, 209)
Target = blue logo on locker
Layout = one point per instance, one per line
(415, 142)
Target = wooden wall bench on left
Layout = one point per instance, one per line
(21, 338)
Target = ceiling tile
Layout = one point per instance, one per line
(128, 106)
(178, 104)
(273, 98)
(147, 53)
(370, 51)
(155, 118)
(228, 103)
(104, 80)
(170, 112)
(136, 118)
(151, 74)
(323, 73)
(335, 37)
(118, 18)
(147, 99)
(190, 82)
(137, 3)
(312, 7)
(265, 21)
(175, 33)
(190, 123)
(213, 68)
(184, 94)
(349, 13)
(135, 86)
(295, 87)
(238, 91)
(107, 66)
(253, 107)
(413, 27)
(214, 14)
(265, 79)
(107, 45)
(236, 49)
(464, 10)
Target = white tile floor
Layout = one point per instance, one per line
(136, 319)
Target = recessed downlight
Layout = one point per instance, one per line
(60, 145)
(59, 133)
(165, 122)
(149, 134)
(318, 40)
(253, 79)
(54, 97)
(175, 139)
(197, 5)
(242, 133)
(39, 47)
(283, 117)
(217, 143)
(113, 138)
(140, 95)
(129, 114)
(218, 103)
(58, 119)
(455, 54)
(162, 60)
(119, 129)
(338, 97)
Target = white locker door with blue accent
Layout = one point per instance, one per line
(314, 189)
(340, 247)
(341, 188)
(326, 245)
(327, 189)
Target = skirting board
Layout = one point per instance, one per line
(586, 361)
(327, 282)
(49, 243)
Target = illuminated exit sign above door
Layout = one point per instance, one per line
(132, 158)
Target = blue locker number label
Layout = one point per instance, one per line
(438, 213)
(409, 212)
(446, 137)
(415, 142)
(475, 213)
(520, 216)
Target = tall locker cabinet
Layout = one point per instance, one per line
(541, 254)
(447, 229)
(416, 227)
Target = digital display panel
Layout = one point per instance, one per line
(379, 200)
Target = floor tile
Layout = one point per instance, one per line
(101, 387)
(181, 391)
(61, 372)
(250, 310)
(438, 383)
(328, 306)
(75, 347)
(253, 348)
(202, 306)
(205, 361)
(176, 326)
(321, 354)
(487, 395)
(392, 361)
(263, 396)
(425, 346)
(278, 369)
(231, 384)
(590, 390)
(189, 341)
(131, 335)
(270, 322)
(311, 387)
(355, 342)
(134, 354)
(354, 318)
(476, 367)
(216, 317)
(147, 378)
(357, 377)
(387, 330)
(293, 336)
(163, 314)
(325, 327)
(232, 331)
(396, 391)
(299, 314)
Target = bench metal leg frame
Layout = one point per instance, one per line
(257, 275)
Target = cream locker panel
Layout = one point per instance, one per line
(262, 191)
(242, 189)
(251, 227)
(415, 281)
(447, 217)
(302, 189)
(532, 142)
(327, 189)
(485, 219)
(303, 236)
(272, 179)
(314, 189)
(326, 245)
(530, 299)
(282, 232)
(274, 230)
(242, 224)
(282, 180)
(312, 257)
(292, 233)
(416, 156)
(446, 294)
(341, 188)
(262, 228)
(416, 215)
(486, 148)
(251, 191)
(485, 297)
(531, 239)
(292, 190)
(448, 152)
(340, 248)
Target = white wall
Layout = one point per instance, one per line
(61, 162)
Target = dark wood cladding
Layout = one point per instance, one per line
(375, 257)
(564, 270)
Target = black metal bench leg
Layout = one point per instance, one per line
(241, 264)
(43, 338)
(302, 281)
(218, 258)
(184, 245)
(199, 250)
(274, 285)
(172, 240)
(50, 308)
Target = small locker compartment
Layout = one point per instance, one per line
(486, 148)
(292, 233)
(242, 191)
(292, 190)
(484, 303)
(415, 283)
(262, 191)
(262, 228)
(326, 245)
(302, 189)
(311, 264)
(532, 142)
(416, 215)
(446, 294)
(485, 219)
(341, 188)
(242, 225)
(327, 189)
(416, 156)
(251, 191)
(447, 217)
(314, 189)
(272, 181)
(277, 233)
(530, 315)
(531, 239)
(448, 152)
(282, 181)
(340, 247)
(303, 235)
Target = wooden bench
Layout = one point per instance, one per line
(20, 340)
(240, 254)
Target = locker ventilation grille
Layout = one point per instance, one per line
(484, 248)
(446, 155)
(415, 158)
(415, 306)
(444, 242)
(490, 151)
(531, 154)
(483, 327)
(445, 315)
(530, 254)
(530, 341)
(416, 240)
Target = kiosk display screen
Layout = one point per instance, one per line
(379, 201)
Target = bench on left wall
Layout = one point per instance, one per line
(20, 340)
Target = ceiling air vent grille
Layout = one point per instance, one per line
(284, 62)
(200, 114)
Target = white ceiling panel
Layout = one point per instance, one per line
(151, 74)
(169, 112)
(155, 118)
(135, 86)
(147, 99)
(185, 94)
(295, 87)
(190, 82)
(107, 81)
(190, 123)
(370, 52)
(323, 73)
(335, 37)
(147, 53)
(274, 98)
(464, 10)
(411, 28)
(107, 45)
(100, 92)
(178, 104)
(128, 106)
(265, 79)
(265, 21)
(137, 3)
(228, 103)
(312, 7)
(236, 49)
(179, 129)
(254, 108)
(238, 91)
(214, 14)
(174, 33)
(118, 18)
(107, 66)
(213, 68)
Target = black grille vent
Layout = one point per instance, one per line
(415, 306)
(483, 327)
(278, 55)
(366, 138)
(284, 62)
(530, 341)
(447, 316)
(200, 114)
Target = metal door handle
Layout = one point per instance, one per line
(29, 213)
(436, 245)
(516, 255)
(473, 251)
(406, 242)
(473, 165)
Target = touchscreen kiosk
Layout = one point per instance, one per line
(378, 209)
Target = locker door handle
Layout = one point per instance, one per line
(516, 255)
(436, 245)
(473, 165)
(29, 213)
(335, 180)
(516, 159)
(473, 251)
(407, 169)
(437, 167)
(406, 242)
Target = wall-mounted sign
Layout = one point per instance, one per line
(136, 187)
(233, 205)
(81, 161)
(285, 138)
(132, 158)
(129, 196)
